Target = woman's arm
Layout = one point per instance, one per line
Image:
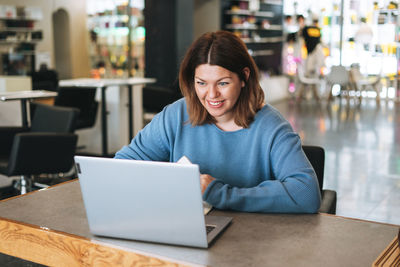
(294, 188)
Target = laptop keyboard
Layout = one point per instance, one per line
(209, 228)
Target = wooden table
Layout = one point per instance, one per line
(24, 96)
(50, 227)
(103, 84)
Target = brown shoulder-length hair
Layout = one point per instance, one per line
(224, 49)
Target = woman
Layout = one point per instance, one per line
(249, 156)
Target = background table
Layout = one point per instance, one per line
(103, 84)
(50, 227)
(24, 96)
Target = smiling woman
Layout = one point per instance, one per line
(225, 53)
(250, 158)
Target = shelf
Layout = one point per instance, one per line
(271, 2)
(19, 38)
(253, 27)
(260, 27)
(261, 53)
(111, 38)
(19, 18)
(99, 17)
(387, 11)
(243, 12)
(263, 40)
(19, 42)
(16, 29)
(26, 53)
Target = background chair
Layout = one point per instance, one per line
(303, 82)
(83, 99)
(47, 147)
(360, 83)
(340, 76)
(44, 79)
(156, 97)
(316, 156)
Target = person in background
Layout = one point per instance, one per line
(315, 56)
(289, 29)
(301, 23)
(290, 37)
(250, 158)
(299, 40)
(364, 46)
(312, 35)
(364, 34)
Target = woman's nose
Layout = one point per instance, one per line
(213, 91)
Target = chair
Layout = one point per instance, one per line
(83, 99)
(156, 97)
(360, 83)
(316, 156)
(44, 79)
(307, 82)
(338, 75)
(47, 147)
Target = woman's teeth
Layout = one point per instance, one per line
(215, 103)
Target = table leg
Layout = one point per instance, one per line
(24, 113)
(130, 113)
(137, 108)
(104, 122)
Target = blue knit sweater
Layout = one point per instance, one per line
(258, 169)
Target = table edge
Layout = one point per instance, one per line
(57, 248)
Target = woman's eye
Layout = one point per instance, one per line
(223, 83)
(200, 83)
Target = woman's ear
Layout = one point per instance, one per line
(246, 72)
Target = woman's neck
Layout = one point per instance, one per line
(228, 126)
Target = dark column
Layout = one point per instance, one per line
(169, 32)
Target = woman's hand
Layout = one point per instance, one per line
(205, 180)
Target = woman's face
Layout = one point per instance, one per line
(218, 90)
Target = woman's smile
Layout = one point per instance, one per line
(215, 104)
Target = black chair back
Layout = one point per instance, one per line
(37, 153)
(45, 85)
(316, 156)
(83, 99)
(48, 147)
(54, 119)
(45, 79)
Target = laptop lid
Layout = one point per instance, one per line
(145, 200)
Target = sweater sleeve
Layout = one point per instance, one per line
(293, 187)
(151, 143)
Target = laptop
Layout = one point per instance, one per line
(146, 201)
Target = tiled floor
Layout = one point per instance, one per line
(362, 146)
